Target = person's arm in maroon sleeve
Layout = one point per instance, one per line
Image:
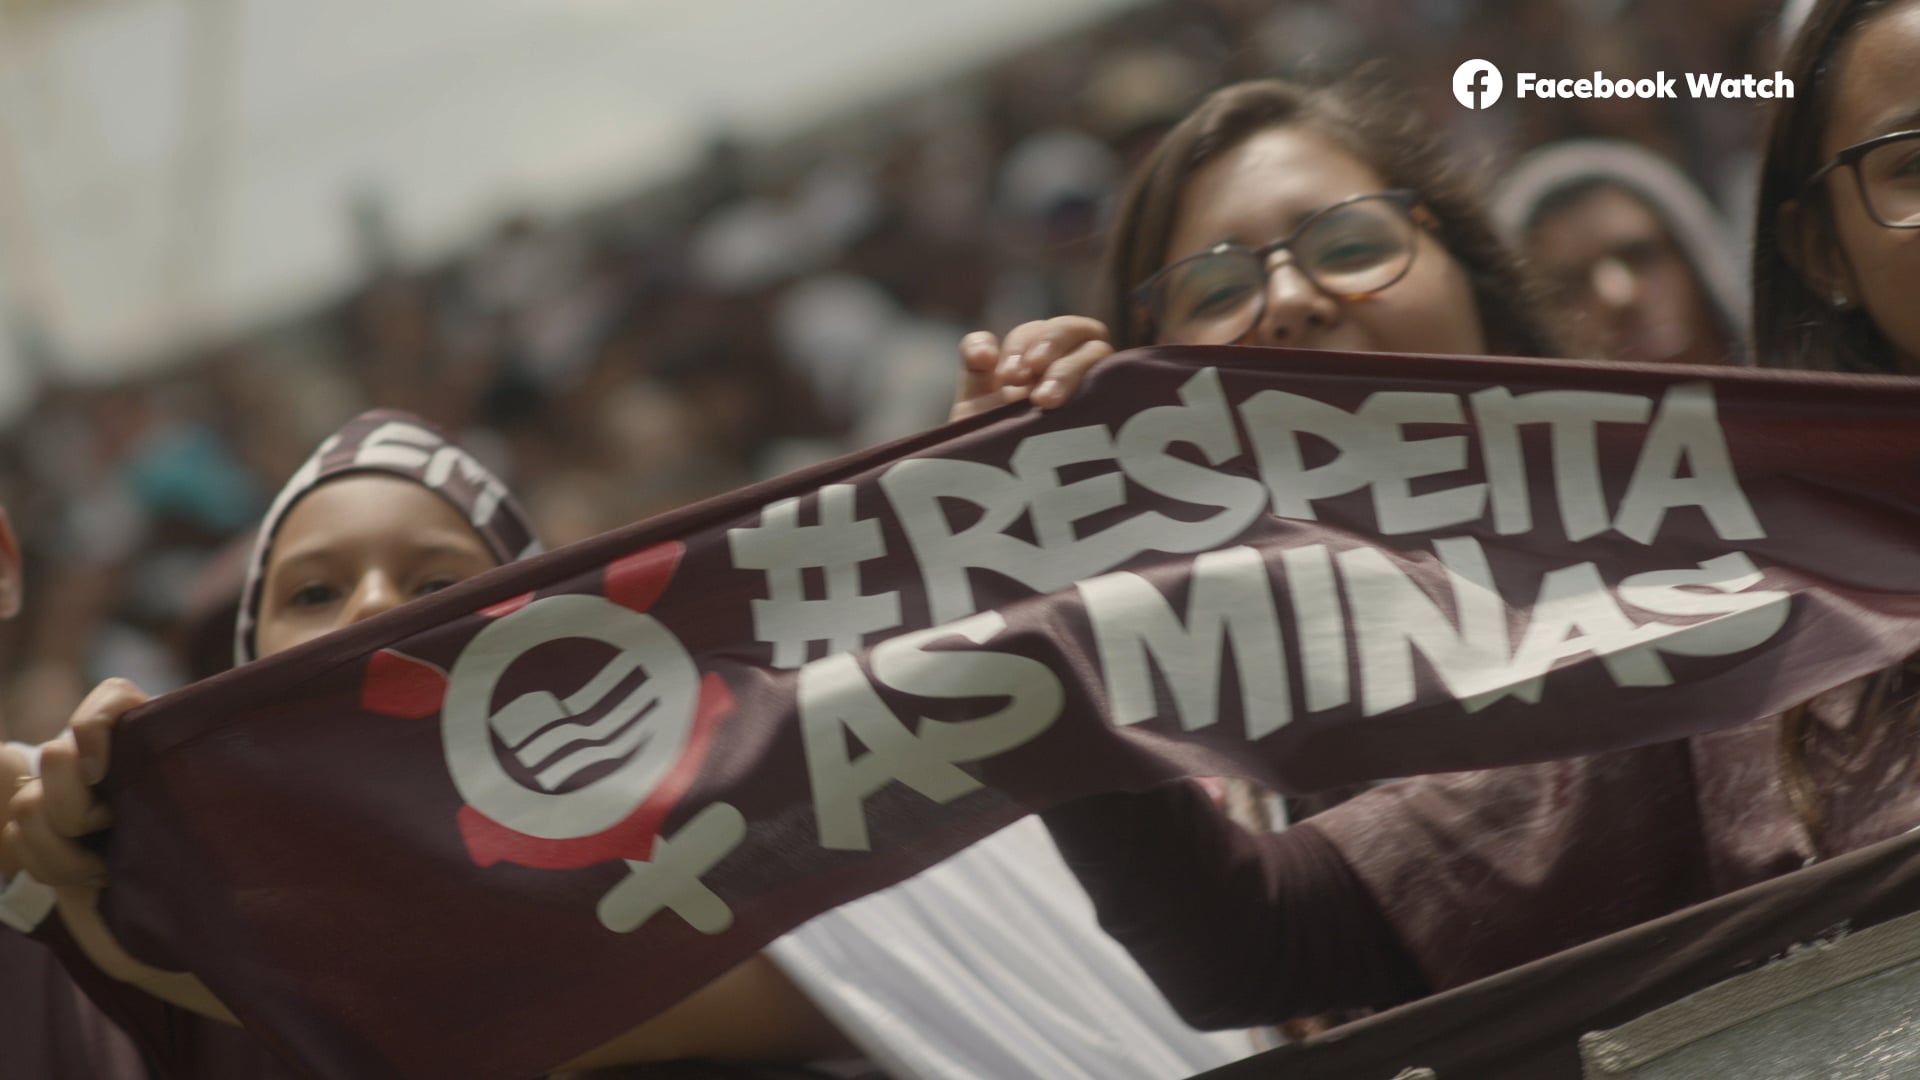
(1236, 928)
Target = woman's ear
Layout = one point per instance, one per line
(10, 575)
(1810, 246)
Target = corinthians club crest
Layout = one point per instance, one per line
(561, 781)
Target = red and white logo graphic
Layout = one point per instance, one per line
(563, 781)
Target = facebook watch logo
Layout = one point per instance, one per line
(1477, 84)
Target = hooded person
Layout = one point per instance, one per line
(427, 474)
(398, 445)
(1635, 263)
(990, 964)
(386, 510)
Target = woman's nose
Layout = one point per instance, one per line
(1296, 308)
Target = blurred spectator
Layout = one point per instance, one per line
(1628, 252)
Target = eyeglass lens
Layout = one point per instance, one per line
(1890, 176)
(1348, 251)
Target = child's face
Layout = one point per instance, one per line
(357, 546)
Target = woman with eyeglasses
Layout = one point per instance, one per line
(1283, 215)
(1428, 883)
(1279, 214)
(1837, 241)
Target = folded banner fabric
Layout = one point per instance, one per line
(500, 825)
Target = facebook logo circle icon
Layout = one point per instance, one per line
(1477, 84)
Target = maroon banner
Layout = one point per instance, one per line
(500, 825)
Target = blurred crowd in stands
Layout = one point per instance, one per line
(777, 305)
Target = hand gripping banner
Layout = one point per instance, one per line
(498, 826)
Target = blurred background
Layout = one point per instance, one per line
(634, 252)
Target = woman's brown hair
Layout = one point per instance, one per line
(1376, 129)
(1793, 325)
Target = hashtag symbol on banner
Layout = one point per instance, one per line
(787, 619)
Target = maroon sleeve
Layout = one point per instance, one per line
(1479, 872)
(1236, 928)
